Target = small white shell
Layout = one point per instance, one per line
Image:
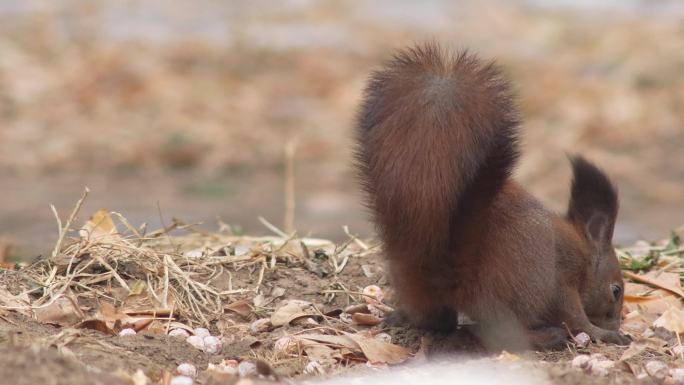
(187, 370)
(179, 333)
(196, 341)
(201, 332)
(212, 344)
(284, 345)
(127, 332)
(373, 294)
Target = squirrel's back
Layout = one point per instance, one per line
(437, 138)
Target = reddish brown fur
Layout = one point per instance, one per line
(437, 141)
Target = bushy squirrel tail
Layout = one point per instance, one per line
(436, 138)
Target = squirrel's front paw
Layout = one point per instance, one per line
(611, 336)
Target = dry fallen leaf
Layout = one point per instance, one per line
(366, 319)
(60, 312)
(672, 319)
(662, 280)
(100, 226)
(241, 307)
(20, 303)
(357, 308)
(116, 319)
(637, 370)
(291, 310)
(321, 353)
(139, 304)
(653, 307)
(636, 347)
(635, 291)
(95, 324)
(337, 341)
(377, 351)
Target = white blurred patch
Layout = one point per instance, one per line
(471, 372)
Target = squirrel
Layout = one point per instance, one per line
(436, 141)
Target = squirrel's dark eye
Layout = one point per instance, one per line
(617, 291)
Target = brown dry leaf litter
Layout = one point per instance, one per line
(121, 298)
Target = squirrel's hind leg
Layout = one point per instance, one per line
(500, 328)
(548, 338)
(442, 320)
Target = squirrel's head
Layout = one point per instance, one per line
(592, 210)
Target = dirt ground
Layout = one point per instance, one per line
(84, 346)
(89, 351)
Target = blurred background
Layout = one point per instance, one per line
(188, 108)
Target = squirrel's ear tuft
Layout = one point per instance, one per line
(593, 201)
